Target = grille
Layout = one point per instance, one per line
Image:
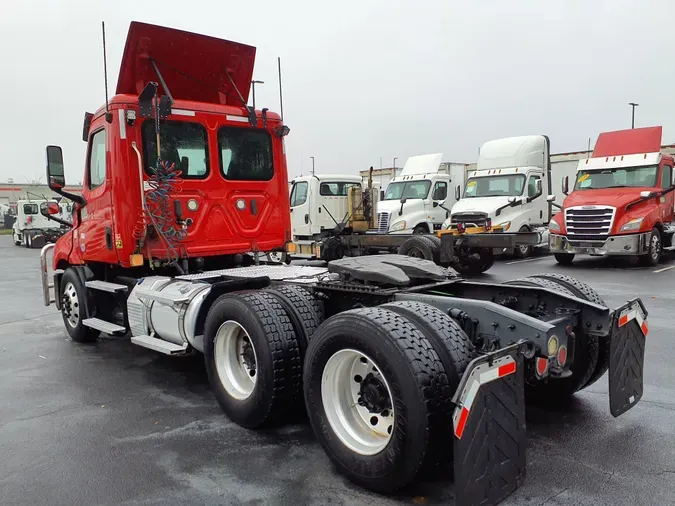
(383, 222)
(469, 219)
(589, 223)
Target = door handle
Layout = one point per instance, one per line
(307, 218)
(108, 237)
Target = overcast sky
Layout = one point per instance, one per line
(363, 80)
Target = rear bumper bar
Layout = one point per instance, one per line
(631, 244)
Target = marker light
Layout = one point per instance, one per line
(552, 346)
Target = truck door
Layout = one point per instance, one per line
(667, 200)
(301, 223)
(438, 195)
(535, 204)
(95, 235)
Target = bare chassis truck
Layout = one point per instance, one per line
(401, 363)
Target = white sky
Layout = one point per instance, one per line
(363, 80)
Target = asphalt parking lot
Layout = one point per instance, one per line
(112, 423)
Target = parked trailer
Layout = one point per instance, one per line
(399, 363)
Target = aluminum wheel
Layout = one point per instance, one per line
(236, 361)
(358, 402)
(655, 247)
(71, 305)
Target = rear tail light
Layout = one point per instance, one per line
(562, 356)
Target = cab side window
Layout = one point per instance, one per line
(96, 171)
(440, 191)
(666, 176)
(299, 193)
(534, 187)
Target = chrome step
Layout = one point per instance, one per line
(103, 326)
(161, 298)
(669, 248)
(106, 286)
(152, 343)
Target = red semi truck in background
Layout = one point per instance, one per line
(622, 202)
(399, 363)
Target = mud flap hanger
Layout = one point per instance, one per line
(489, 427)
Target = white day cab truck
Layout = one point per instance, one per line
(32, 229)
(510, 191)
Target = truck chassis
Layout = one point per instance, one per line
(400, 363)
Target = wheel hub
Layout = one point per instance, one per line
(248, 357)
(373, 395)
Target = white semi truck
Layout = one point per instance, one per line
(32, 229)
(510, 190)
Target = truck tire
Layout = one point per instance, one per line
(564, 258)
(522, 251)
(305, 312)
(421, 229)
(422, 246)
(73, 295)
(379, 357)
(653, 256)
(452, 346)
(252, 358)
(488, 260)
(586, 355)
(583, 291)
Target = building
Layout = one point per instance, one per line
(10, 193)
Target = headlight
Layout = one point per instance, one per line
(554, 226)
(504, 226)
(399, 225)
(633, 224)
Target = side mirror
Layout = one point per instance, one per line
(404, 200)
(672, 183)
(49, 208)
(565, 184)
(550, 198)
(435, 204)
(56, 178)
(646, 194)
(511, 200)
(458, 193)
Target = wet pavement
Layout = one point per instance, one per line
(112, 423)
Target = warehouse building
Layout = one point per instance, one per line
(11, 192)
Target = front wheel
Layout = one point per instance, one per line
(73, 298)
(653, 255)
(523, 250)
(564, 258)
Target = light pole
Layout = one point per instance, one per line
(395, 158)
(312, 164)
(632, 120)
(253, 83)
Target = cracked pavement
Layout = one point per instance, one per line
(112, 423)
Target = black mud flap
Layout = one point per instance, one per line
(627, 356)
(489, 429)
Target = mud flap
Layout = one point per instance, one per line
(489, 428)
(626, 356)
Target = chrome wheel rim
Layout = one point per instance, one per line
(71, 305)
(236, 360)
(358, 402)
(656, 246)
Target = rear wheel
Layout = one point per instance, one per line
(73, 298)
(523, 250)
(252, 358)
(564, 258)
(653, 255)
(583, 291)
(372, 384)
(585, 357)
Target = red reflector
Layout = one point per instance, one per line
(562, 355)
(461, 423)
(506, 369)
(488, 224)
(461, 228)
(645, 329)
(623, 320)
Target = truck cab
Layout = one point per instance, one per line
(414, 200)
(180, 172)
(509, 190)
(319, 203)
(30, 223)
(622, 200)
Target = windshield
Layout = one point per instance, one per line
(617, 178)
(495, 186)
(408, 190)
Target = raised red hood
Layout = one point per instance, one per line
(628, 142)
(617, 197)
(194, 66)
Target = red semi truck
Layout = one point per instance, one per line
(622, 201)
(399, 363)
